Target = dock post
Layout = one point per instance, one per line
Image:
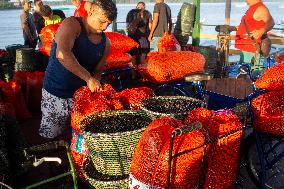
(114, 23)
(196, 29)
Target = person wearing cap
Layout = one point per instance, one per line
(37, 18)
(49, 17)
(77, 56)
(28, 26)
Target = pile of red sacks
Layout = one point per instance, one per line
(150, 160)
(272, 79)
(268, 108)
(31, 84)
(162, 67)
(12, 96)
(268, 112)
(120, 46)
(86, 103)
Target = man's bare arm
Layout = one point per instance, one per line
(262, 13)
(154, 24)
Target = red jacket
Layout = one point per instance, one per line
(80, 11)
(242, 40)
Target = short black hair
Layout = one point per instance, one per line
(109, 8)
(141, 2)
(45, 10)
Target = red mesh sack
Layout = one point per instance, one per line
(168, 43)
(21, 78)
(170, 66)
(116, 60)
(279, 58)
(7, 109)
(268, 113)
(186, 168)
(79, 152)
(202, 115)
(115, 104)
(48, 32)
(224, 155)
(80, 11)
(86, 103)
(147, 151)
(272, 79)
(13, 94)
(34, 90)
(131, 98)
(45, 49)
(120, 42)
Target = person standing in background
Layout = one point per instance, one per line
(162, 22)
(138, 25)
(37, 18)
(251, 34)
(28, 26)
(48, 15)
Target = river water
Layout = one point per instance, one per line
(211, 13)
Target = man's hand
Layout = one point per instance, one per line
(94, 85)
(256, 34)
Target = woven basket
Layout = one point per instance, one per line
(112, 137)
(173, 106)
(100, 181)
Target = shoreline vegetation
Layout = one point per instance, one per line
(5, 5)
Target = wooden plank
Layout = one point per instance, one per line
(238, 88)
(232, 90)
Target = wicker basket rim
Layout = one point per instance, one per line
(113, 135)
(83, 122)
(88, 163)
(142, 106)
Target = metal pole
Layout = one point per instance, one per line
(227, 22)
(114, 24)
(196, 29)
(228, 12)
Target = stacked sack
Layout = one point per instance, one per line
(120, 46)
(86, 103)
(11, 95)
(31, 84)
(163, 67)
(149, 164)
(268, 108)
(211, 153)
(47, 35)
(168, 43)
